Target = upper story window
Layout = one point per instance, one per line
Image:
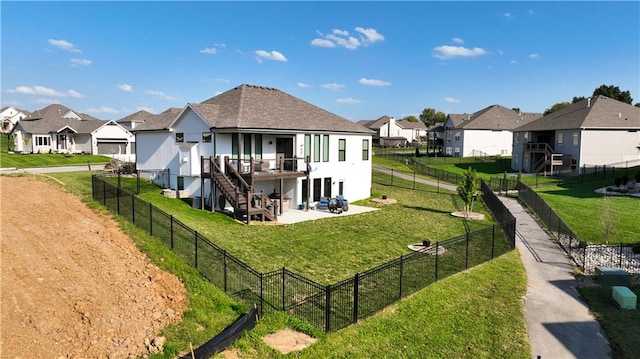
(575, 139)
(560, 138)
(365, 150)
(206, 137)
(179, 137)
(307, 146)
(342, 149)
(316, 148)
(325, 148)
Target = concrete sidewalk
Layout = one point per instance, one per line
(559, 323)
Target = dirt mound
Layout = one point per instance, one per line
(73, 285)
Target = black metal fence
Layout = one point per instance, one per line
(586, 255)
(327, 307)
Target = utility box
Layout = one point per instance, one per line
(609, 277)
(625, 298)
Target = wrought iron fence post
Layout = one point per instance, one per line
(261, 294)
(392, 177)
(224, 256)
(133, 209)
(150, 219)
(414, 180)
(493, 240)
(283, 288)
(118, 200)
(355, 297)
(437, 251)
(196, 251)
(171, 229)
(466, 254)
(104, 193)
(327, 308)
(401, 274)
(620, 256)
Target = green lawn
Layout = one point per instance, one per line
(11, 160)
(455, 322)
(582, 210)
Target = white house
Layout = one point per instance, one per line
(57, 129)
(596, 131)
(9, 116)
(259, 140)
(487, 132)
(391, 132)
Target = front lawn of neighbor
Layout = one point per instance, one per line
(31, 160)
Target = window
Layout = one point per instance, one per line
(43, 141)
(247, 147)
(457, 137)
(516, 160)
(365, 150)
(559, 138)
(307, 146)
(180, 183)
(327, 187)
(575, 139)
(179, 137)
(342, 150)
(448, 151)
(305, 188)
(325, 148)
(316, 148)
(206, 137)
(456, 152)
(317, 189)
(341, 188)
(258, 147)
(234, 146)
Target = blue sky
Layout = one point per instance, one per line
(360, 60)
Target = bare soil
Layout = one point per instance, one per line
(72, 284)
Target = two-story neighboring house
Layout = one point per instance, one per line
(596, 131)
(9, 116)
(253, 141)
(487, 132)
(390, 132)
(58, 129)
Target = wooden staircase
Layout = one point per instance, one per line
(548, 161)
(239, 194)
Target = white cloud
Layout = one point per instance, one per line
(273, 55)
(81, 62)
(373, 82)
(303, 85)
(322, 43)
(500, 52)
(451, 100)
(126, 88)
(159, 95)
(103, 109)
(534, 56)
(448, 52)
(334, 86)
(44, 91)
(343, 38)
(458, 40)
(64, 45)
(513, 62)
(209, 50)
(348, 101)
(507, 15)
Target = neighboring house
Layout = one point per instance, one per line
(596, 131)
(132, 121)
(393, 133)
(257, 140)
(9, 116)
(58, 129)
(487, 132)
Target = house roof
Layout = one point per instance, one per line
(135, 117)
(493, 117)
(161, 121)
(56, 117)
(413, 125)
(52, 112)
(376, 124)
(595, 112)
(257, 107)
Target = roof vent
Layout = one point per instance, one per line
(619, 114)
(588, 101)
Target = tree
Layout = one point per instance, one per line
(577, 99)
(614, 93)
(410, 118)
(556, 107)
(430, 117)
(468, 188)
(607, 220)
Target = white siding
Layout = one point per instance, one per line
(604, 147)
(490, 142)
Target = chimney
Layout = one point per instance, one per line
(588, 101)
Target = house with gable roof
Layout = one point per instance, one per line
(395, 133)
(257, 148)
(59, 129)
(595, 131)
(9, 116)
(487, 132)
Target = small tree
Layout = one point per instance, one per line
(468, 188)
(607, 220)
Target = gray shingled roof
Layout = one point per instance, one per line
(135, 117)
(408, 124)
(258, 107)
(161, 121)
(596, 112)
(49, 120)
(494, 117)
(379, 122)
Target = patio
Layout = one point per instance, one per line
(300, 215)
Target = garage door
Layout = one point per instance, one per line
(112, 148)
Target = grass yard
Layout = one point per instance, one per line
(582, 210)
(444, 320)
(11, 160)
